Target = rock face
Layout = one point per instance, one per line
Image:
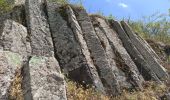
(12, 54)
(42, 39)
(128, 65)
(74, 57)
(147, 52)
(42, 76)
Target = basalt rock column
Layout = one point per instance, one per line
(42, 77)
(141, 63)
(98, 54)
(147, 52)
(120, 77)
(13, 53)
(125, 62)
(70, 48)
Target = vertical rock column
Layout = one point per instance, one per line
(97, 52)
(42, 77)
(120, 76)
(140, 62)
(70, 48)
(125, 63)
(146, 51)
(13, 53)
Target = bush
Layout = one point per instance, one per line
(152, 91)
(5, 6)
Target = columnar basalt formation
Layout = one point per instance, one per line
(42, 38)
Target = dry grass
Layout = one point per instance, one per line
(152, 91)
(15, 91)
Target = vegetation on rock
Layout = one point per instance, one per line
(5, 6)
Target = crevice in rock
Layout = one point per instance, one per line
(26, 84)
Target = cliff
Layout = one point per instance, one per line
(45, 41)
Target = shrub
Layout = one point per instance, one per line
(5, 6)
(152, 91)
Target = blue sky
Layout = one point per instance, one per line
(127, 8)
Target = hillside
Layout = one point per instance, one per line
(43, 43)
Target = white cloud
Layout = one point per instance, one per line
(123, 5)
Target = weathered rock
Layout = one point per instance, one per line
(14, 39)
(70, 47)
(38, 28)
(123, 59)
(147, 52)
(42, 76)
(142, 65)
(97, 52)
(43, 79)
(13, 54)
(118, 74)
(10, 63)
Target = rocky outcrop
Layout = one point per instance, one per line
(97, 52)
(142, 65)
(42, 75)
(14, 49)
(123, 58)
(43, 38)
(147, 52)
(70, 47)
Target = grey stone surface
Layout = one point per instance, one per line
(97, 52)
(13, 52)
(118, 74)
(147, 52)
(10, 63)
(38, 28)
(70, 47)
(123, 58)
(78, 33)
(14, 39)
(42, 76)
(43, 79)
(140, 62)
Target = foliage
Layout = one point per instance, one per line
(152, 91)
(110, 17)
(5, 6)
(156, 27)
(15, 91)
